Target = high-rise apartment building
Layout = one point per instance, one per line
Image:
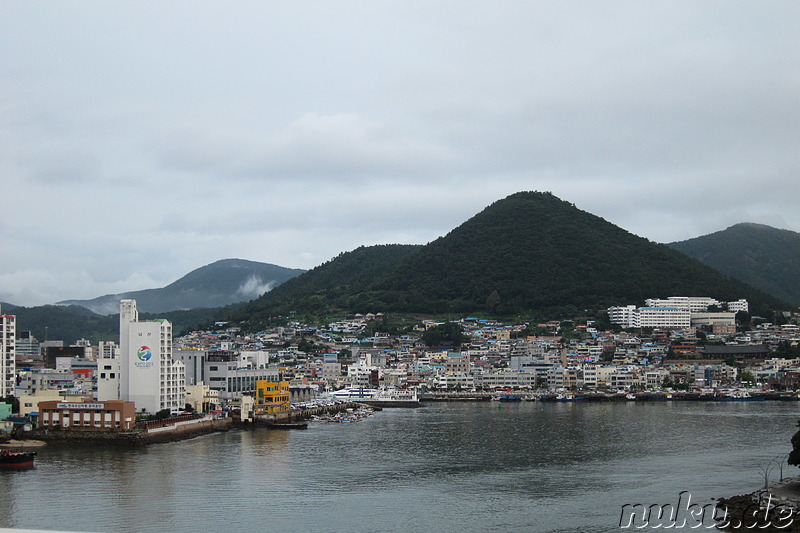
(8, 365)
(148, 375)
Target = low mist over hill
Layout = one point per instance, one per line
(221, 283)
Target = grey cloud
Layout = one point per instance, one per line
(145, 144)
(342, 146)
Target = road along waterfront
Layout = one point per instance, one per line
(474, 466)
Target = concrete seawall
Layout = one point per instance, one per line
(130, 438)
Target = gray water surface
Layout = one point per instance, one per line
(560, 467)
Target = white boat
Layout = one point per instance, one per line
(379, 398)
(355, 393)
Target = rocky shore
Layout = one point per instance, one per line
(776, 508)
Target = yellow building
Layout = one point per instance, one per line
(272, 396)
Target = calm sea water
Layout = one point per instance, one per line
(445, 467)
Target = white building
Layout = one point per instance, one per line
(149, 376)
(650, 317)
(8, 354)
(108, 372)
(739, 305)
(695, 304)
(624, 316)
(714, 319)
(331, 368)
(230, 380)
(664, 317)
(676, 312)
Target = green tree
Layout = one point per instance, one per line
(444, 333)
(747, 376)
(493, 300)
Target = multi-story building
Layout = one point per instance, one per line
(8, 365)
(664, 317)
(272, 396)
(108, 375)
(331, 368)
(695, 304)
(148, 375)
(675, 312)
(27, 347)
(225, 374)
(738, 305)
(624, 316)
(93, 416)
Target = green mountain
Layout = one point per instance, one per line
(530, 253)
(224, 282)
(762, 256)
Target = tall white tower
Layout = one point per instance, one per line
(148, 375)
(8, 354)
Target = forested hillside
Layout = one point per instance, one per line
(530, 253)
(762, 256)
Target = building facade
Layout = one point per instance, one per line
(148, 375)
(272, 396)
(87, 415)
(8, 365)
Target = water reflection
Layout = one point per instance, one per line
(526, 466)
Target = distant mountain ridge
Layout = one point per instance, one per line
(528, 253)
(759, 255)
(218, 284)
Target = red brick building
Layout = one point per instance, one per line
(91, 416)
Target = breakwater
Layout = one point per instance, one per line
(165, 432)
(300, 415)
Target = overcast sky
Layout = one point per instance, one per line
(142, 140)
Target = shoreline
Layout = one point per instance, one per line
(591, 396)
(776, 508)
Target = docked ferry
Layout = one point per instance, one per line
(357, 393)
(379, 398)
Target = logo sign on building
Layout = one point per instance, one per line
(144, 354)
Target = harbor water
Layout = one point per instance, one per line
(482, 466)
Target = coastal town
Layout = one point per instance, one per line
(678, 348)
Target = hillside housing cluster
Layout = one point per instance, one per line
(694, 343)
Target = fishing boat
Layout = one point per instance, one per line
(738, 396)
(16, 460)
(287, 425)
(509, 398)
